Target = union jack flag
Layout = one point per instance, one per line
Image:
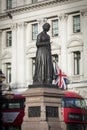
(61, 79)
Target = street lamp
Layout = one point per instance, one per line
(2, 78)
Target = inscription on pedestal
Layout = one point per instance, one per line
(34, 111)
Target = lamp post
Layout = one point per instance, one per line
(2, 78)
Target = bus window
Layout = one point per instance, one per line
(12, 128)
(62, 103)
(5, 105)
(83, 103)
(69, 103)
(80, 103)
(75, 127)
(13, 105)
(73, 103)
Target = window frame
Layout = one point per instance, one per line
(76, 25)
(8, 74)
(77, 57)
(55, 58)
(8, 38)
(33, 66)
(34, 33)
(55, 28)
(34, 1)
(8, 4)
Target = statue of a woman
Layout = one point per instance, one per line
(43, 66)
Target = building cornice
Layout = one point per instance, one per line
(31, 7)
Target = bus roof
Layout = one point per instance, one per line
(13, 96)
(72, 94)
(18, 96)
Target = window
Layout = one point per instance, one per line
(73, 103)
(76, 23)
(55, 27)
(75, 126)
(9, 4)
(34, 1)
(12, 128)
(33, 66)
(8, 38)
(76, 62)
(34, 31)
(55, 60)
(51, 111)
(13, 103)
(8, 72)
(34, 111)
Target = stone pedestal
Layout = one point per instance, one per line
(42, 108)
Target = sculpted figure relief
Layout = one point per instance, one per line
(43, 65)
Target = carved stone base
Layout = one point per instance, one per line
(38, 100)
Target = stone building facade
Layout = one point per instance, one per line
(22, 20)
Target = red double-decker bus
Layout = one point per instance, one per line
(12, 111)
(74, 111)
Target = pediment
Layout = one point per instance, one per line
(30, 49)
(75, 43)
(6, 55)
(55, 46)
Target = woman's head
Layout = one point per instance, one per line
(46, 27)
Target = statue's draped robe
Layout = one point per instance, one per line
(43, 64)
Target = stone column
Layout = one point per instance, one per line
(29, 70)
(0, 47)
(84, 14)
(20, 54)
(63, 37)
(28, 33)
(14, 53)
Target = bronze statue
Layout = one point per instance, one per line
(43, 65)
